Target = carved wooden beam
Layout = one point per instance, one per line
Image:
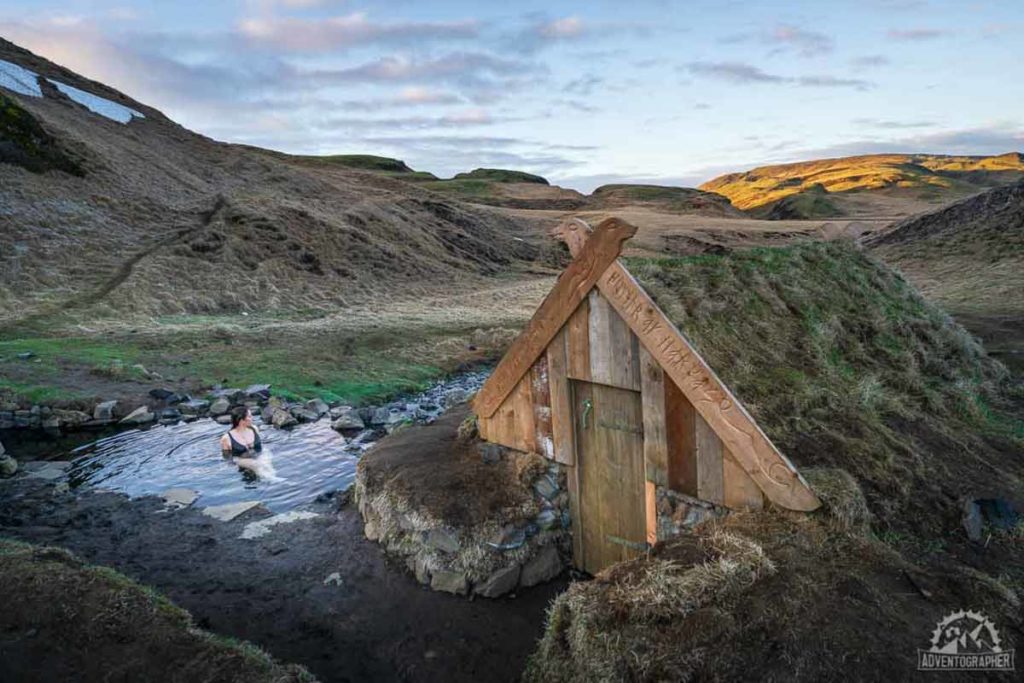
(575, 282)
(750, 446)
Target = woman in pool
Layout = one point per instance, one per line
(242, 445)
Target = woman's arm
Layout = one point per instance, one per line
(225, 446)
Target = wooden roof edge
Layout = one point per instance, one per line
(589, 263)
(773, 472)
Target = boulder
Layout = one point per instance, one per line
(318, 406)
(170, 414)
(230, 511)
(139, 416)
(282, 419)
(421, 570)
(8, 466)
(544, 566)
(267, 413)
(545, 487)
(258, 391)
(379, 416)
(71, 419)
(449, 582)
(303, 415)
(220, 406)
(442, 539)
(161, 394)
(548, 519)
(233, 396)
(498, 583)
(508, 537)
(194, 406)
(104, 410)
(347, 419)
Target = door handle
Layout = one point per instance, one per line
(588, 406)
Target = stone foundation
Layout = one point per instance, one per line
(490, 557)
(678, 511)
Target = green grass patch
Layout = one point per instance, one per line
(501, 175)
(465, 188)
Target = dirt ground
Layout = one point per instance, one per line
(378, 624)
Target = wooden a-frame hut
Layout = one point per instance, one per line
(603, 383)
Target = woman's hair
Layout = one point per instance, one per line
(237, 415)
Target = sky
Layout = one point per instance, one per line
(582, 93)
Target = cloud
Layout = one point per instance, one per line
(560, 29)
(738, 72)
(332, 34)
(583, 85)
(910, 35)
(734, 72)
(460, 119)
(893, 125)
(414, 96)
(871, 61)
(786, 37)
(455, 66)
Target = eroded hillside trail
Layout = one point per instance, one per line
(125, 269)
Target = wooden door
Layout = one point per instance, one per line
(609, 454)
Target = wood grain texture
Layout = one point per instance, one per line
(710, 484)
(751, 448)
(652, 392)
(540, 398)
(575, 282)
(609, 440)
(682, 447)
(741, 493)
(561, 401)
(614, 350)
(577, 331)
(651, 507)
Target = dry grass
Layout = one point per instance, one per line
(932, 178)
(846, 366)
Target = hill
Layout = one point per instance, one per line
(863, 185)
(500, 175)
(126, 235)
(969, 257)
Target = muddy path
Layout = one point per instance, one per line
(372, 622)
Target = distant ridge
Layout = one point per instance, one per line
(929, 178)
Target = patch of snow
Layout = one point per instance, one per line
(98, 105)
(19, 79)
(262, 528)
(228, 512)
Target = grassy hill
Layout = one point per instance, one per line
(969, 257)
(926, 178)
(500, 175)
(243, 261)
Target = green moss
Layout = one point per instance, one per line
(24, 142)
(500, 175)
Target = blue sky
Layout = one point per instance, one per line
(581, 92)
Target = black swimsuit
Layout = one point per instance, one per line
(240, 449)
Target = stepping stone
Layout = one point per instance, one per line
(179, 497)
(226, 513)
(262, 527)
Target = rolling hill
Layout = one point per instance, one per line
(864, 185)
(969, 257)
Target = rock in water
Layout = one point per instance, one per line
(282, 419)
(179, 497)
(220, 406)
(139, 416)
(104, 411)
(347, 419)
(8, 466)
(318, 406)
